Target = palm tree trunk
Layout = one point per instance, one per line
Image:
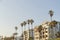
(32, 32)
(29, 31)
(22, 33)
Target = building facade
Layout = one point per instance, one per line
(47, 30)
(36, 33)
(28, 34)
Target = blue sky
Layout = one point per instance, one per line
(13, 12)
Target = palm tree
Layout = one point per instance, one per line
(30, 21)
(24, 24)
(22, 30)
(22, 27)
(51, 14)
(53, 24)
(39, 30)
(16, 28)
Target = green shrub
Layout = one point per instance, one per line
(55, 39)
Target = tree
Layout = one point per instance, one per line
(39, 30)
(30, 22)
(23, 24)
(52, 25)
(22, 30)
(16, 28)
(51, 14)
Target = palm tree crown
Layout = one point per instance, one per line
(28, 21)
(51, 13)
(24, 23)
(31, 21)
(21, 24)
(16, 27)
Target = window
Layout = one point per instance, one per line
(46, 35)
(43, 32)
(46, 31)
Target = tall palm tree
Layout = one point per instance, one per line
(22, 30)
(52, 25)
(51, 14)
(28, 22)
(24, 24)
(16, 28)
(39, 30)
(32, 21)
(23, 27)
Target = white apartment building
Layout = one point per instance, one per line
(36, 33)
(47, 31)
